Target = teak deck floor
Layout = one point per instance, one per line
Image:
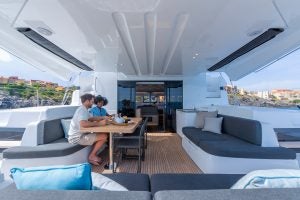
(163, 155)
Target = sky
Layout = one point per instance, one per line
(283, 74)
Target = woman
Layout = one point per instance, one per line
(98, 110)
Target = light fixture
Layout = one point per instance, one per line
(194, 57)
(196, 54)
(254, 33)
(268, 35)
(44, 31)
(5, 56)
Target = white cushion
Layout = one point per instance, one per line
(213, 124)
(101, 182)
(66, 126)
(201, 117)
(274, 178)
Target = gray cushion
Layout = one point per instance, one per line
(240, 149)
(73, 195)
(55, 149)
(196, 135)
(245, 129)
(133, 182)
(229, 146)
(200, 117)
(50, 131)
(261, 194)
(160, 182)
(11, 130)
(15, 133)
(288, 134)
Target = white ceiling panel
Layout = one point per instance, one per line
(162, 37)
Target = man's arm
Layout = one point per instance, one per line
(87, 123)
(92, 119)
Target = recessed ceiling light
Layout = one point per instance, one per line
(194, 57)
(254, 33)
(196, 54)
(44, 31)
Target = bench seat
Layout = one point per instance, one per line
(57, 148)
(74, 195)
(161, 182)
(254, 194)
(48, 147)
(131, 181)
(229, 146)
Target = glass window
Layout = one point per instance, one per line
(277, 85)
(22, 85)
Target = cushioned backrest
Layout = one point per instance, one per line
(49, 131)
(245, 129)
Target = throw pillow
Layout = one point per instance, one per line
(66, 126)
(101, 182)
(69, 177)
(274, 178)
(201, 117)
(213, 124)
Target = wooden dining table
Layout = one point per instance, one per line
(112, 128)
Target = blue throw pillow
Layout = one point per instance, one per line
(69, 177)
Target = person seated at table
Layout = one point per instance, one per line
(82, 119)
(98, 110)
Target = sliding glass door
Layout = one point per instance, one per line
(126, 98)
(174, 100)
(165, 96)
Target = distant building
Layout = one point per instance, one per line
(12, 79)
(242, 91)
(35, 82)
(231, 89)
(252, 93)
(3, 80)
(16, 80)
(60, 88)
(263, 94)
(283, 94)
(51, 85)
(20, 81)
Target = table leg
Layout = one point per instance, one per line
(111, 149)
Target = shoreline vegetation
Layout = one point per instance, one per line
(24, 95)
(272, 102)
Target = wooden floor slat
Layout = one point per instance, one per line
(163, 155)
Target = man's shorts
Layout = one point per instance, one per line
(87, 139)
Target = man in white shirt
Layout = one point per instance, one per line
(83, 119)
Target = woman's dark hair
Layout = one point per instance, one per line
(100, 98)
